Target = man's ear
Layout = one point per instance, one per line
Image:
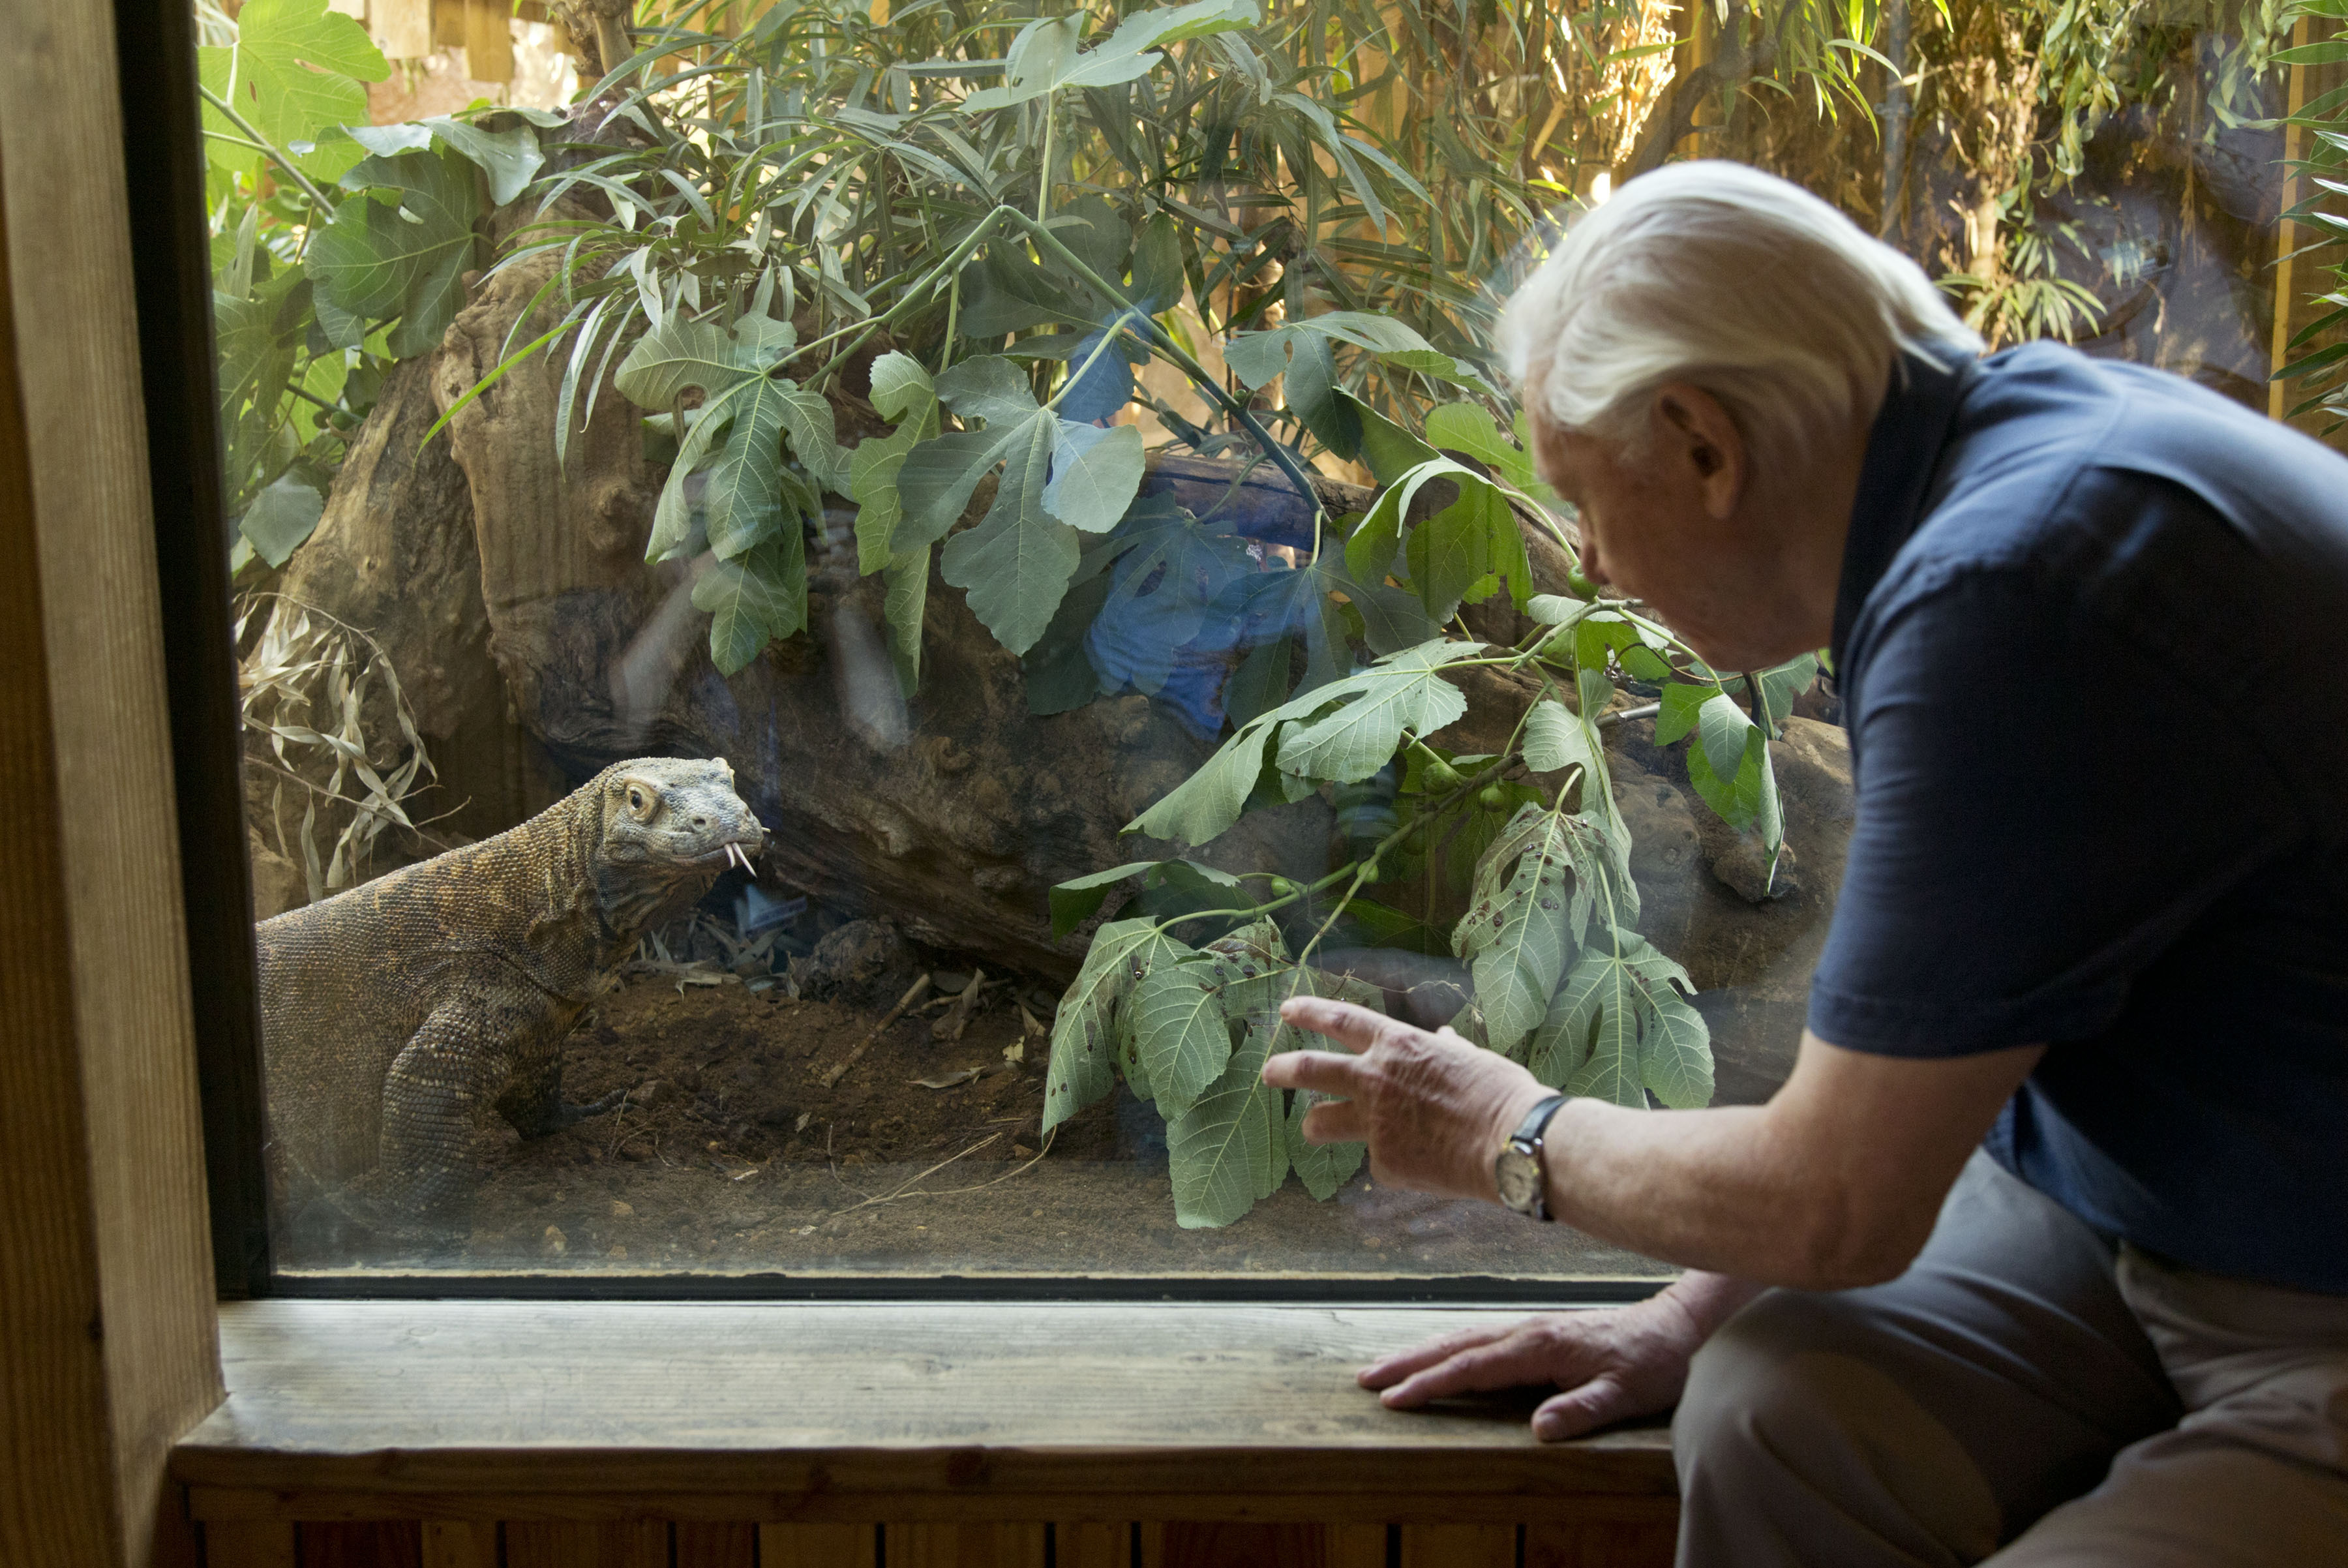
(1693, 430)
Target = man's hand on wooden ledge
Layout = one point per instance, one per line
(1610, 1365)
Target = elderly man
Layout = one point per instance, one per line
(2040, 1254)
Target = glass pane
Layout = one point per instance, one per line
(734, 555)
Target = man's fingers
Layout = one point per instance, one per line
(1403, 1363)
(1595, 1404)
(1343, 1022)
(1509, 1363)
(1325, 1071)
(1336, 1121)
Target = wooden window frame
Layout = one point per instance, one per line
(172, 268)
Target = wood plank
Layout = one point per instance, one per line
(1601, 1545)
(1357, 1546)
(922, 1545)
(627, 1543)
(818, 1545)
(447, 24)
(1459, 1546)
(402, 29)
(733, 1544)
(381, 1544)
(460, 1543)
(1018, 1409)
(1200, 1543)
(110, 1350)
(1092, 1544)
(866, 1505)
(488, 40)
(250, 1543)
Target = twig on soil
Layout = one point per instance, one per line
(904, 1004)
(900, 1191)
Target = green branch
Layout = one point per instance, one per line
(317, 197)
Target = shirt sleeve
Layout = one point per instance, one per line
(2042, 809)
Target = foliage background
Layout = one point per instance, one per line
(1026, 248)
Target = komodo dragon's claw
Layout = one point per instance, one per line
(572, 1115)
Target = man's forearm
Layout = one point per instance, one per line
(1835, 1183)
(1695, 1188)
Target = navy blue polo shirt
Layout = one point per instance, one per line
(2092, 642)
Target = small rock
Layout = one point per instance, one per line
(636, 1149)
(652, 1092)
(622, 1210)
(554, 1243)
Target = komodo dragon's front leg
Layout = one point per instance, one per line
(457, 1061)
(532, 1103)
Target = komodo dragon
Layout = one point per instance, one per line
(395, 1015)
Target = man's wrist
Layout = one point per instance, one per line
(1513, 1110)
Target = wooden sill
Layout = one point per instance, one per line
(790, 1412)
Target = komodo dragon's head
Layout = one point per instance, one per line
(669, 824)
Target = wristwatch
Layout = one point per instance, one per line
(1516, 1170)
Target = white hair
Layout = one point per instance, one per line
(1736, 282)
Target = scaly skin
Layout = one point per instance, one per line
(395, 1015)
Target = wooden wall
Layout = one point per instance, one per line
(1074, 1544)
(107, 1338)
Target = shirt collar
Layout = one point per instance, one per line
(1903, 449)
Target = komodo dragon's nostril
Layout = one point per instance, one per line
(701, 821)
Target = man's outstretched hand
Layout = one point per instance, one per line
(1610, 1365)
(1433, 1108)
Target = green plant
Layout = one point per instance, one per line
(995, 220)
(338, 247)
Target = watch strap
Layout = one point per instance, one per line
(1528, 1135)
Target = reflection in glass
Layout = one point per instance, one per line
(1072, 499)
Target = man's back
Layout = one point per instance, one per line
(2091, 641)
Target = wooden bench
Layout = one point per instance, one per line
(609, 1435)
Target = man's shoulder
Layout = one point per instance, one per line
(2126, 488)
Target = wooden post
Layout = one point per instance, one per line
(402, 29)
(111, 1344)
(2301, 280)
(2295, 145)
(489, 41)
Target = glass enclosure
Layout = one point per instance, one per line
(834, 602)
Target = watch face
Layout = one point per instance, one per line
(1517, 1176)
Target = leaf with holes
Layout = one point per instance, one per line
(1180, 1030)
(1085, 1034)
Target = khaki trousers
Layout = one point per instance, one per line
(2020, 1397)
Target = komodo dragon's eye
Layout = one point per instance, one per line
(643, 800)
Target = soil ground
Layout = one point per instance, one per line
(731, 1156)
